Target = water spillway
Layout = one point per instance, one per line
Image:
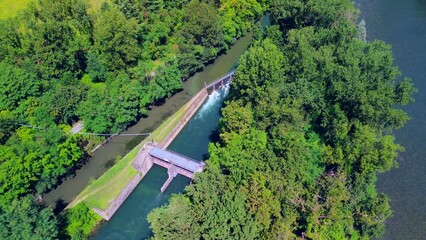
(129, 222)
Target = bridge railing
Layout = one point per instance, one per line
(181, 155)
(219, 80)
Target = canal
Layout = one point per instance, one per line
(402, 23)
(129, 222)
(104, 158)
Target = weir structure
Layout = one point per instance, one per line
(156, 153)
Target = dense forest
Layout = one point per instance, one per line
(305, 131)
(62, 61)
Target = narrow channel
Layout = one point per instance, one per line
(129, 222)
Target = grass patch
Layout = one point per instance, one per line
(80, 220)
(95, 5)
(102, 191)
(10, 8)
(86, 80)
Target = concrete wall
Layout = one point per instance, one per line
(144, 162)
(194, 104)
(113, 207)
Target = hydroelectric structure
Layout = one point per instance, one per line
(156, 153)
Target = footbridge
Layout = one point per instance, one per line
(175, 163)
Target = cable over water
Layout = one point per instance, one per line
(89, 133)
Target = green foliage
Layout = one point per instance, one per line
(303, 13)
(24, 219)
(201, 36)
(259, 68)
(179, 216)
(95, 67)
(62, 102)
(57, 34)
(16, 85)
(80, 221)
(62, 63)
(116, 39)
(239, 17)
(111, 110)
(307, 127)
(33, 161)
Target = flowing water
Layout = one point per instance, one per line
(129, 222)
(402, 23)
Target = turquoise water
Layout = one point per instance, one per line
(194, 139)
(402, 23)
(129, 222)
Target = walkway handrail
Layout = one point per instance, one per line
(181, 155)
(208, 86)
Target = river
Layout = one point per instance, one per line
(402, 23)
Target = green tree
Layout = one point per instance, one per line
(95, 67)
(16, 85)
(95, 110)
(116, 39)
(239, 17)
(24, 219)
(80, 221)
(260, 68)
(58, 35)
(62, 102)
(200, 36)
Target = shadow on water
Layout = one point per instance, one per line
(109, 163)
(214, 136)
(60, 204)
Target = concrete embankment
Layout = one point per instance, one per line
(143, 162)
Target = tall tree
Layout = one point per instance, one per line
(116, 39)
(24, 219)
(201, 36)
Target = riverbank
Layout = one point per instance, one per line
(130, 220)
(402, 23)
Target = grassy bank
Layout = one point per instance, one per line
(9, 8)
(103, 190)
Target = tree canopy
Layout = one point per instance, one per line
(63, 61)
(306, 128)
